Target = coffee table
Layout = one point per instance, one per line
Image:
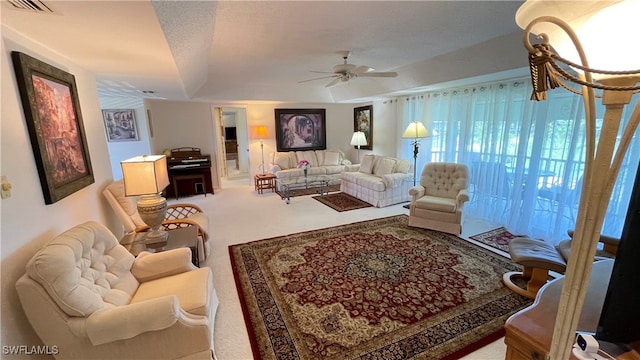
(302, 182)
(178, 238)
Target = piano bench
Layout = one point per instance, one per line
(175, 179)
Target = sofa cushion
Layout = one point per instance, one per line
(384, 166)
(331, 158)
(366, 165)
(402, 166)
(337, 169)
(282, 160)
(191, 287)
(310, 156)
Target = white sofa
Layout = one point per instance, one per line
(332, 163)
(380, 180)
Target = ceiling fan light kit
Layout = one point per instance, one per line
(345, 72)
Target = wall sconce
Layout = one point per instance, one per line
(147, 176)
(607, 30)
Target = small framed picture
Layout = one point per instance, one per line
(363, 121)
(120, 125)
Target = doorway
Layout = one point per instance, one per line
(234, 140)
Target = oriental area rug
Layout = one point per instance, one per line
(375, 289)
(497, 238)
(342, 202)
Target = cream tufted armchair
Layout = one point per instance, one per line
(178, 215)
(89, 298)
(436, 203)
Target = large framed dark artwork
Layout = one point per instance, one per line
(52, 112)
(301, 129)
(363, 121)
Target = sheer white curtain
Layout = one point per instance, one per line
(412, 109)
(526, 158)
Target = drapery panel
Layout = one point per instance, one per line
(526, 158)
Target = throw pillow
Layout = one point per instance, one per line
(384, 166)
(282, 160)
(366, 165)
(331, 158)
(402, 166)
(310, 156)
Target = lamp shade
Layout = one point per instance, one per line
(358, 139)
(145, 175)
(604, 28)
(260, 132)
(415, 130)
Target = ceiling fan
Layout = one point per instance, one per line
(345, 72)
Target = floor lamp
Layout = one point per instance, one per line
(605, 31)
(261, 132)
(359, 139)
(415, 131)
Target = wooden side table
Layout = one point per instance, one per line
(178, 238)
(265, 182)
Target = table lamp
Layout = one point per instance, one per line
(358, 139)
(146, 176)
(607, 30)
(415, 131)
(261, 132)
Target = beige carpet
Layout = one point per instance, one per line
(238, 215)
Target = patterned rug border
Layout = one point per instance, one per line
(327, 200)
(492, 234)
(462, 243)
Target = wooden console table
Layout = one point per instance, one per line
(529, 331)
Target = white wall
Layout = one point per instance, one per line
(177, 124)
(123, 150)
(26, 222)
(339, 129)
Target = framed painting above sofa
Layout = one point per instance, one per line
(301, 129)
(363, 121)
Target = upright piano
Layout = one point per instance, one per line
(189, 172)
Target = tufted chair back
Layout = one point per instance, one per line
(444, 179)
(84, 270)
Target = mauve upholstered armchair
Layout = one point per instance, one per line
(437, 201)
(85, 294)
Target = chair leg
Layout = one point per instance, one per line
(535, 277)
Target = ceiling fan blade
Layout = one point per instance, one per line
(333, 82)
(362, 69)
(321, 72)
(323, 77)
(378, 74)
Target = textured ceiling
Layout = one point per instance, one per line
(243, 51)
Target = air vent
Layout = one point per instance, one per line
(36, 6)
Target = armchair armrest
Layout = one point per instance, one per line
(610, 243)
(125, 322)
(416, 192)
(462, 197)
(148, 266)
